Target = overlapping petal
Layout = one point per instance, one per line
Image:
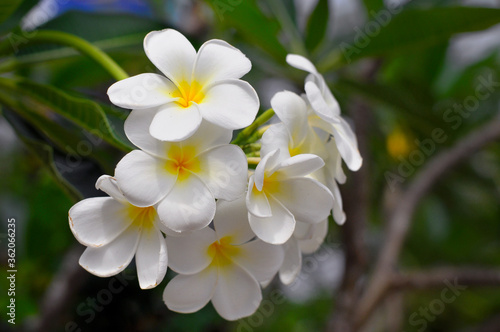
(190, 293)
(142, 91)
(188, 254)
(233, 285)
(97, 221)
(175, 123)
(217, 60)
(172, 53)
(143, 178)
(112, 258)
(190, 205)
(151, 258)
(230, 103)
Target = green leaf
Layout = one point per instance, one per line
(246, 17)
(416, 29)
(373, 6)
(45, 153)
(317, 25)
(7, 8)
(82, 112)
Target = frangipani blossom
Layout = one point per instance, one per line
(115, 231)
(182, 178)
(327, 110)
(296, 136)
(279, 193)
(203, 85)
(306, 239)
(223, 265)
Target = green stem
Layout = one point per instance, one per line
(248, 131)
(79, 44)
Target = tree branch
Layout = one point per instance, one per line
(435, 278)
(400, 220)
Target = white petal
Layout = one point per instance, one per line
(261, 259)
(300, 62)
(112, 258)
(172, 53)
(142, 91)
(338, 212)
(175, 123)
(319, 81)
(265, 168)
(237, 294)
(292, 262)
(298, 166)
(189, 206)
(319, 104)
(231, 219)
(108, 184)
(345, 140)
(190, 293)
(347, 145)
(217, 60)
(188, 254)
(224, 170)
(276, 229)
(137, 130)
(151, 258)
(316, 238)
(292, 111)
(208, 136)
(97, 221)
(256, 201)
(307, 199)
(232, 104)
(276, 137)
(334, 162)
(143, 178)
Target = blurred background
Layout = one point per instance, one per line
(400, 70)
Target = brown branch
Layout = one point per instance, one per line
(400, 220)
(439, 278)
(356, 198)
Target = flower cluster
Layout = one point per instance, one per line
(185, 199)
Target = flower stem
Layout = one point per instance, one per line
(79, 44)
(253, 160)
(246, 133)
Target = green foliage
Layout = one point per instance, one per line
(317, 24)
(415, 29)
(7, 8)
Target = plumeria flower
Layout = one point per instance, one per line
(306, 239)
(327, 112)
(182, 178)
(294, 136)
(115, 231)
(203, 85)
(223, 265)
(279, 193)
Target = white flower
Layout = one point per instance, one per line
(197, 85)
(296, 136)
(327, 110)
(223, 265)
(183, 178)
(306, 239)
(114, 231)
(279, 193)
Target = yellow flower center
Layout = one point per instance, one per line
(271, 185)
(182, 161)
(142, 216)
(222, 252)
(189, 92)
